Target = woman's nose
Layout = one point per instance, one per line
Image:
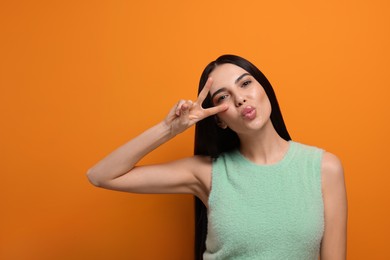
(240, 101)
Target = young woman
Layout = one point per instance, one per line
(260, 195)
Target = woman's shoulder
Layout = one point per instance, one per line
(332, 172)
(195, 164)
(305, 146)
(200, 159)
(331, 167)
(199, 164)
(330, 163)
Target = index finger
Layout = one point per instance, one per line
(205, 91)
(215, 110)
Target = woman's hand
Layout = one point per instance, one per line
(187, 113)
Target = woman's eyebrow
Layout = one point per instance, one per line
(216, 92)
(240, 77)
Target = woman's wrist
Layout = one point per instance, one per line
(165, 130)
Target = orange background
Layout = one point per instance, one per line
(79, 78)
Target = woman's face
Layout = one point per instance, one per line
(248, 105)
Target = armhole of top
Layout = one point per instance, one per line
(318, 167)
(212, 182)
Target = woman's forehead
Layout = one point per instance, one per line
(225, 74)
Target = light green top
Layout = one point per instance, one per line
(266, 211)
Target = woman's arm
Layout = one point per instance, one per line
(117, 171)
(334, 242)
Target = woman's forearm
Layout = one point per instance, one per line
(124, 158)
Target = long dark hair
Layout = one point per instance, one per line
(211, 140)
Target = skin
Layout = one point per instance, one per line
(242, 105)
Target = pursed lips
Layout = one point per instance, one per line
(248, 112)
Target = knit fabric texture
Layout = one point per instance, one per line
(266, 211)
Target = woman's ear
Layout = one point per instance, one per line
(220, 123)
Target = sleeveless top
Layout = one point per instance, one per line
(266, 211)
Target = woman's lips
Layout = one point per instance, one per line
(248, 112)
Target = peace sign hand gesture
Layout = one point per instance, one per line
(187, 113)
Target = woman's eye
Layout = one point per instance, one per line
(221, 98)
(246, 83)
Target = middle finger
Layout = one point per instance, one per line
(205, 91)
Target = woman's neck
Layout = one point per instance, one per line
(264, 146)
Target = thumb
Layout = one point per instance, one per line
(184, 109)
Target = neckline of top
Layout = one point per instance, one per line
(285, 159)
